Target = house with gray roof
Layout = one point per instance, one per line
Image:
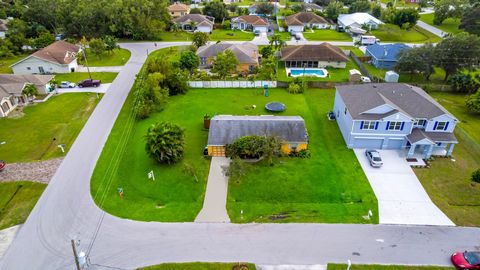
(246, 54)
(394, 116)
(195, 23)
(226, 129)
(11, 90)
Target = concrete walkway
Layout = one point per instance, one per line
(401, 197)
(431, 29)
(214, 206)
(100, 69)
(100, 89)
(6, 238)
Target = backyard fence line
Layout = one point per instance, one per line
(363, 69)
(232, 84)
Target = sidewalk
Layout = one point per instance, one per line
(214, 206)
(100, 69)
(431, 29)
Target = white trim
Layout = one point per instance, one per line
(377, 134)
(30, 56)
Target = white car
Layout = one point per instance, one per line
(66, 84)
(365, 79)
(374, 158)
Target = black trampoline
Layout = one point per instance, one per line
(275, 107)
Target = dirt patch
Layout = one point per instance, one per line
(40, 172)
(279, 216)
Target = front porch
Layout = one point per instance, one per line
(425, 151)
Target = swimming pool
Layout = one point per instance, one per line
(316, 72)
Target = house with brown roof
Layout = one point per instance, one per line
(246, 54)
(3, 28)
(58, 57)
(313, 56)
(250, 22)
(195, 23)
(297, 22)
(178, 9)
(11, 88)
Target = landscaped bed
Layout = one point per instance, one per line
(386, 267)
(393, 33)
(201, 266)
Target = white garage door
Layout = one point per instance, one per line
(261, 29)
(368, 143)
(394, 144)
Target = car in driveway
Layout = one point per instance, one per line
(89, 83)
(66, 84)
(374, 158)
(468, 260)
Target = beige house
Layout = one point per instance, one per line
(58, 57)
(297, 22)
(195, 23)
(178, 9)
(314, 56)
(246, 53)
(11, 88)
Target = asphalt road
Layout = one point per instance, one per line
(66, 211)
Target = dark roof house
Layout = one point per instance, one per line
(304, 18)
(246, 53)
(321, 52)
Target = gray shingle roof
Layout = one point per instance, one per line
(246, 53)
(302, 18)
(225, 129)
(198, 18)
(11, 84)
(434, 137)
(318, 52)
(408, 99)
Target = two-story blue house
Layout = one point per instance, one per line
(394, 116)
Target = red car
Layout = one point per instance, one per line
(468, 260)
(2, 165)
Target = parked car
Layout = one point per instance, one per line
(3, 164)
(468, 260)
(66, 84)
(89, 83)
(256, 33)
(365, 79)
(340, 28)
(298, 36)
(374, 158)
(331, 115)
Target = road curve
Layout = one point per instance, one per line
(66, 211)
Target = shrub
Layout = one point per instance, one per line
(254, 147)
(305, 153)
(165, 142)
(476, 176)
(295, 88)
(473, 102)
(236, 170)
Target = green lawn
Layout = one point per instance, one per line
(17, 199)
(75, 77)
(7, 61)
(436, 77)
(197, 266)
(31, 137)
(174, 36)
(221, 34)
(117, 57)
(393, 33)
(450, 25)
(336, 74)
(385, 267)
(448, 183)
(354, 49)
(285, 36)
(327, 35)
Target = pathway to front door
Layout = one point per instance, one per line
(214, 205)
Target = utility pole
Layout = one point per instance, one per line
(77, 263)
(86, 62)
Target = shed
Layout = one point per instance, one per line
(355, 75)
(391, 76)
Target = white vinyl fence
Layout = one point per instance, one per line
(232, 84)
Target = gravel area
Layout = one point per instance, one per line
(41, 171)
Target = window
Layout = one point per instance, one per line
(29, 68)
(203, 60)
(368, 125)
(420, 122)
(345, 112)
(440, 126)
(394, 125)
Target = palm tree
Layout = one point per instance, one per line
(30, 91)
(277, 42)
(165, 142)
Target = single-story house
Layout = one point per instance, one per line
(313, 56)
(250, 22)
(3, 28)
(357, 20)
(226, 129)
(297, 22)
(178, 9)
(58, 57)
(394, 116)
(309, 6)
(385, 56)
(11, 88)
(252, 9)
(195, 23)
(246, 53)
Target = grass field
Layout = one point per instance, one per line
(197, 266)
(385, 267)
(450, 25)
(436, 77)
(448, 183)
(221, 34)
(31, 137)
(7, 61)
(285, 36)
(393, 33)
(327, 35)
(117, 57)
(17, 199)
(174, 36)
(75, 77)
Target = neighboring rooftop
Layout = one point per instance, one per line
(405, 98)
(387, 52)
(59, 52)
(11, 84)
(226, 129)
(252, 19)
(358, 18)
(303, 18)
(246, 53)
(178, 7)
(197, 18)
(3, 25)
(321, 52)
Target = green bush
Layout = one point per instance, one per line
(305, 153)
(165, 142)
(254, 147)
(476, 176)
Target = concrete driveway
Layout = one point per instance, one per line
(401, 197)
(100, 89)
